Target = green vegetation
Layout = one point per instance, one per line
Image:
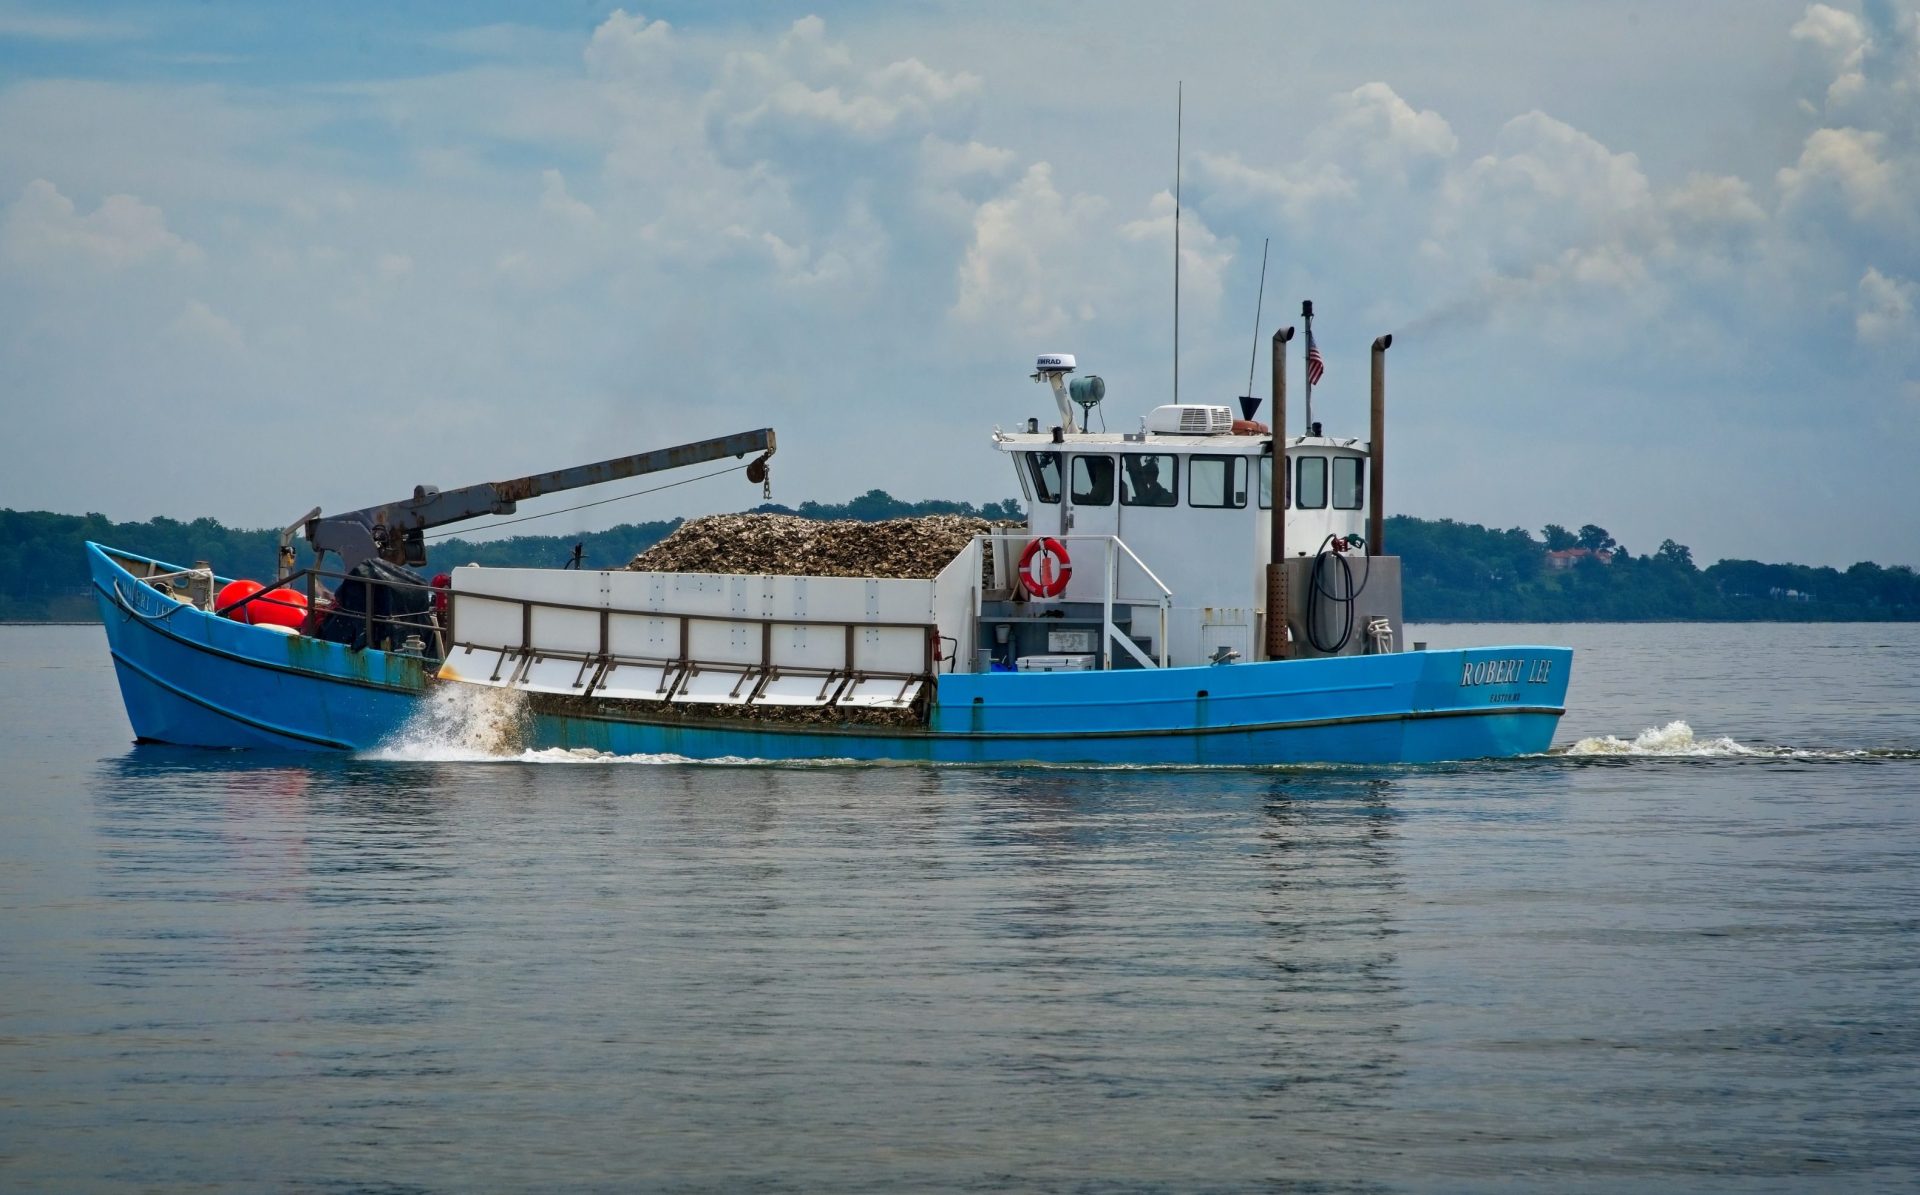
(1453, 571)
(1467, 573)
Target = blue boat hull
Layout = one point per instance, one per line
(194, 679)
(1412, 707)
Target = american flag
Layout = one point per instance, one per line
(1316, 364)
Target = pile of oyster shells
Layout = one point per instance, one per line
(788, 545)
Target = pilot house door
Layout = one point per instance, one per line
(1092, 506)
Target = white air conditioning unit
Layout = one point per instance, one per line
(1191, 419)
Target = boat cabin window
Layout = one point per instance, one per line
(1149, 479)
(1310, 486)
(1349, 477)
(1092, 481)
(1266, 483)
(1045, 470)
(1217, 481)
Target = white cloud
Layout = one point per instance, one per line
(1883, 311)
(558, 202)
(1297, 191)
(43, 224)
(1382, 137)
(1843, 167)
(1022, 271)
(1841, 41)
(1547, 185)
(628, 47)
(200, 326)
(1712, 201)
(948, 162)
(597, 225)
(810, 86)
(29, 25)
(1203, 256)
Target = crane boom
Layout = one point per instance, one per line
(395, 530)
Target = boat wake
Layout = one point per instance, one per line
(485, 724)
(1676, 740)
(461, 724)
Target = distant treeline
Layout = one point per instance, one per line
(1453, 571)
(1461, 572)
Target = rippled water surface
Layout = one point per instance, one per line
(1672, 957)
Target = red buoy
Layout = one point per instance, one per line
(237, 591)
(281, 607)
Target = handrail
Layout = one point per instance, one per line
(1151, 575)
(526, 650)
(798, 622)
(1085, 535)
(1109, 596)
(430, 622)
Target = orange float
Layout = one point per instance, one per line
(237, 591)
(281, 607)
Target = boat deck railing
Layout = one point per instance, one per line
(518, 659)
(202, 584)
(1006, 546)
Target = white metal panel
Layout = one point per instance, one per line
(1207, 556)
(724, 642)
(565, 586)
(890, 649)
(797, 646)
(643, 636)
(799, 690)
(485, 623)
(637, 680)
(843, 599)
(825, 599)
(554, 674)
(1226, 626)
(480, 666)
(954, 591)
(566, 630)
(716, 686)
(880, 693)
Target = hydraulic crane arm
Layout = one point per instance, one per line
(396, 530)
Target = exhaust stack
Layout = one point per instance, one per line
(1377, 450)
(1277, 537)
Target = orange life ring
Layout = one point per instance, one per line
(1044, 567)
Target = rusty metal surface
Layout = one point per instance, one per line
(663, 713)
(350, 534)
(1377, 450)
(1277, 645)
(1282, 479)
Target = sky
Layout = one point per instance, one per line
(1650, 266)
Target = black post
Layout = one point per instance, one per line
(1306, 316)
(1277, 532)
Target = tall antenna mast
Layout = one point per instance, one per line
(1262, 298)
(1179, 121)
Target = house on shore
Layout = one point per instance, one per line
(1567, 558)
